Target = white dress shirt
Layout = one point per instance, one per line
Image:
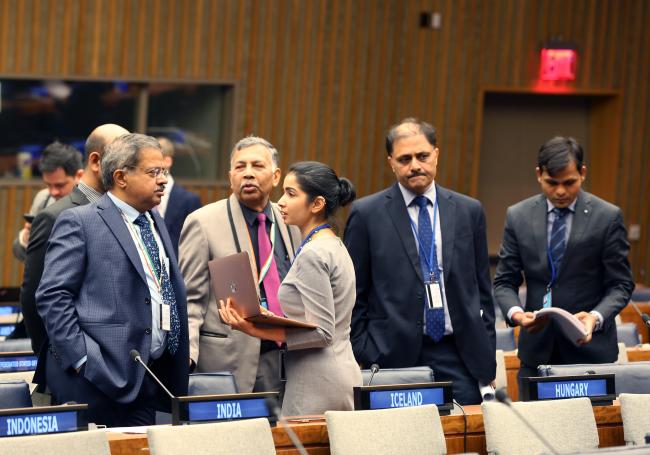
(414, 212)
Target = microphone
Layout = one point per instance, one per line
(645, 317)
(502, 397)
(135, 355)
(374, 368)
(272, 406)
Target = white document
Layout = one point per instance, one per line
(570, 325)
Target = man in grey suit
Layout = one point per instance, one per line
(89, 189)
(238, 223)
(111, 285)
(571, 248)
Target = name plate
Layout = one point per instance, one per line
(221, 408)
(600, 388)
(43, 420)
(11, 362)
(404, 395)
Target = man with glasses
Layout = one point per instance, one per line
(111, 285)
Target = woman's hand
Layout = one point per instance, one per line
(231, 316)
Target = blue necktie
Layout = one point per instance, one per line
(166, 288)
(557, 245)
(434, 318)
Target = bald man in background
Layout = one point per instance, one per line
(89, 189)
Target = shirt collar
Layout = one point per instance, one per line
(409, 195)
(550, 206)
(250, 215)
(91, 193)
(129, 212)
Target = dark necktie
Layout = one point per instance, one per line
(557, 245)
(434, 319)
(166, 288)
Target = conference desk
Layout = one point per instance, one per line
(634, 354)
(314, 436)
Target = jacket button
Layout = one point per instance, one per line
(147, 301)
(147, 330)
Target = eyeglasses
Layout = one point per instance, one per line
(154, 172)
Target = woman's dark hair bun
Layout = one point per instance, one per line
(346, 192)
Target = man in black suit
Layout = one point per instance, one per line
(89, 189)
(177, 202)
(423, 282)
(571, 248)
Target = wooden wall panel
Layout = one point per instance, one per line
(323, 79)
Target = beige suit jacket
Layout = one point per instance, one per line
(207, 235)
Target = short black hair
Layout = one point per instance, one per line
(318, 179)
(421, 128)
(59, 155)
(557, 153)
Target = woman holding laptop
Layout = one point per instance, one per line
(319, 289)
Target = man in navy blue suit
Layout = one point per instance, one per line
(421, 262)
(111, 284)
(177, 202)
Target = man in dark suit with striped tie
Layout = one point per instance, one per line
(571, 248)
(110, 285)
(423, 280)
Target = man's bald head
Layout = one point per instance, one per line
(101, 136)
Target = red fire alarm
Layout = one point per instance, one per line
(558, 64)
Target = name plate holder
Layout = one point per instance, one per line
(222, 408)
(11, 362)
(405, 395)
(43, 420)
(599, 388)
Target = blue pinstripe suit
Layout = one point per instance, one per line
(94, 300)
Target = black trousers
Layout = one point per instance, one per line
(444, 359)
(102, 409)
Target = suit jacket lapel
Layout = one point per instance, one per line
(447, 211)
(400, 218)
(242, 233)
(539, 227)
(112, 217)
(580, 221)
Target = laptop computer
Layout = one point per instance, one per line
(231, 277)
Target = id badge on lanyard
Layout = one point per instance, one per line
(433, 293)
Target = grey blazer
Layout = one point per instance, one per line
(320, 365)
(207, 235)
(595, 275)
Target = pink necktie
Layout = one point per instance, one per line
(271, 281)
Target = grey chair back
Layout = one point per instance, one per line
(388, 376)
(15, 394)
(506, 339)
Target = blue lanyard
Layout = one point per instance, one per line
(429, 260)
(309, 236)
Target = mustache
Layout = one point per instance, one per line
(160, 188)
(416, 174)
